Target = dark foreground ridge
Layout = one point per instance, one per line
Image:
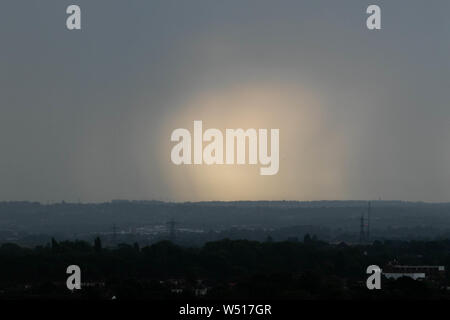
(226, 269)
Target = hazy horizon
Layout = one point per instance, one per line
(364, 201)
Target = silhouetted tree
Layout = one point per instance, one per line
(55, 245)
(307, 238)
(98, 245)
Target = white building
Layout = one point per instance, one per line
(413, 275)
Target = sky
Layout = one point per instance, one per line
(87, 115)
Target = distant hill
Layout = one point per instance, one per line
(64, 217)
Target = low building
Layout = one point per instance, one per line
(396, 271)
(413, 275)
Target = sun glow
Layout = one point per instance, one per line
(303, 172)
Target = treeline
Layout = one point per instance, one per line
(227, 268)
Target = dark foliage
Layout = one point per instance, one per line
(228, 268)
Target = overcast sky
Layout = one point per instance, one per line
(87, 115)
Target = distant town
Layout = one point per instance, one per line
(195, 223)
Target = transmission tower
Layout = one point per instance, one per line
(172, 231)
(114, 230)
(361, 230)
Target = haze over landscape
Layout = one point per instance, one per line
(214, 158)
